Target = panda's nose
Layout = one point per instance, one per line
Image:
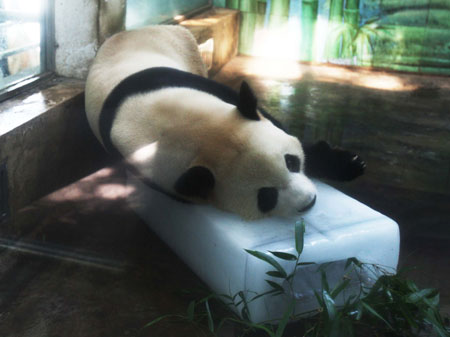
(310, 205)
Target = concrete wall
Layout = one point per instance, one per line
(80, 27)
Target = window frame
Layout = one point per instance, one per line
(47, 55)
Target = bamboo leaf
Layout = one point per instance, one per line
(282, 324)
(275, 286)
(251, 325)
(329, 305)
(235, 295)
(278, 293)
(284, 256)
(347, 328)
(348, 303)
(437, 326)
(305, 263)
(419, 296)
(299, 236)
(319, 299)
(433, 301)
(389, 296)
(376, 314)
(411, 285)
(267, 258)
(359, 308)
(275, 273)
(353, 260)
(339, 288)
(210, 319)
(190, 311)
(406, 311)
(225, 296)
(156, 320)
(264, 294)
(325, 284)
(245, 313)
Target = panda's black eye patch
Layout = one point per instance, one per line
(292, 162)
(267, 198)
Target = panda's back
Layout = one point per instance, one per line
(132, 51)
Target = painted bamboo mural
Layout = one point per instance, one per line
(249, 14)
(233, 4)
(279, 13)
(411, 35)
(335, 21)
(308, 21)
(351, 19)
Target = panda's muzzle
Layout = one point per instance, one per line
(310, 205)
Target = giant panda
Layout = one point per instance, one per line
(150, 103)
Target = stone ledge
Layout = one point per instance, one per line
(48, 94)
(222, 25)
(45, 140)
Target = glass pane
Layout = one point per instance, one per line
(20, 40)
(145, 12)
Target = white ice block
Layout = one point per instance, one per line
(212, 243)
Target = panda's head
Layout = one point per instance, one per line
(257, 171)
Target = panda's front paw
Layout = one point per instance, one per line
(347, 165)
(324, 161)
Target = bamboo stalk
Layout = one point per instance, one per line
(233, 4)
(249, 6)
(351, 18)
(279, 13)
(279, 7)
(308, 21)
(247, 32)
(335, 21)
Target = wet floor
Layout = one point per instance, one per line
(79, 262)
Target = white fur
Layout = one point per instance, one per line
(165, 132)
(131, 51)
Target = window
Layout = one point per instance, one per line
(22, 41)
(144, 12)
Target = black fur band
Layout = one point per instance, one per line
(152, 79)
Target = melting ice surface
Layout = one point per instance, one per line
(212, 243)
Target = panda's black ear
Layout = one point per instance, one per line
(247, 102)
(196, 182)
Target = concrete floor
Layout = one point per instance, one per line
(79, 262)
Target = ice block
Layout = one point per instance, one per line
(212, 242)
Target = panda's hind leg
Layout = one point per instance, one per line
(323, 161)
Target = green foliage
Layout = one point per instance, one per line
(394, 306)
